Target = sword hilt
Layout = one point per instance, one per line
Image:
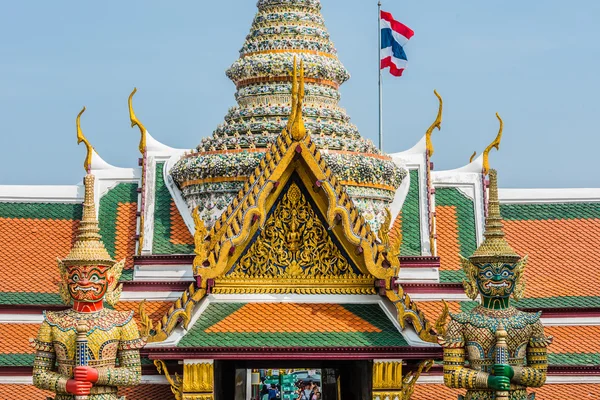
(501, 355)
(81, 351)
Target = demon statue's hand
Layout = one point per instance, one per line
(503, 370)
(498, 382)
(78, 388)
(86, 374)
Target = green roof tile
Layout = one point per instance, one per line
(550, 211)
(123, 193)
(56, 211)
(411, 220)
(16, 360)
(465, 215)
(161, 243)
(29, 298)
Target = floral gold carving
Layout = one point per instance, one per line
(198, 377)
(294, 243)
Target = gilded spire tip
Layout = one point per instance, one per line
(87, 164)
(436, 124)
(494, 145)
(136, 122)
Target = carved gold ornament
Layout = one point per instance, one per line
(294, 243)
(175, 382)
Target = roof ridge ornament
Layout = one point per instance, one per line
(295, 126)
(495, 144)
(87, 164)
(436, 124)
(136, 122)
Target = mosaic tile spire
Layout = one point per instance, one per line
(282, 30)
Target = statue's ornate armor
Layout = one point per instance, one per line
(472, 336)
(112, 336)
(505, 348)
(88, 351)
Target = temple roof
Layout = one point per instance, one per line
(293, 325)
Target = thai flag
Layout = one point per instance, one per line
(394, 36)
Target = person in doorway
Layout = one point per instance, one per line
(264, 393)
(273, 392)
(306, 392)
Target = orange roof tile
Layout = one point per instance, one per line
(15, 338)
(180, 234)
(574, 339)
(547, 392)
(126, 225)
(140, 392)
(433, 309)
(448, 246)
(560, 255)
(396, 227)
(29, 251)
(155, 309)
(292, 318)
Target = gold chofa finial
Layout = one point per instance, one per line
(200, 233)
(436, 124)
(495, 144)
(472, 157)
(87, 164)
(135, 121)
(295, 125)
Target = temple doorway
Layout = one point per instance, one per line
(328, 380)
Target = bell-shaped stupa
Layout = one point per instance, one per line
(283, 29)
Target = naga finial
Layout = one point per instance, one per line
(295, 126)
(472, 157)
(87, 164)
(135, 121)
(200, 233)
(436, 124)
(495, 144)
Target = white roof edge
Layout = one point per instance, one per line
(473, 167)
(561, 195)
(41, 193)
(418, 148)
(154, 146)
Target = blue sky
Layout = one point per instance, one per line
(536, 63)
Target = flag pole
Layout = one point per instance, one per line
(379, 72)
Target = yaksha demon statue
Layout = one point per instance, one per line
(78, 349)
(505, 347)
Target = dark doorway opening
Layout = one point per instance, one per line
(339, 379)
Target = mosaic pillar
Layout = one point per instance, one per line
(387, 379)
(198, 380)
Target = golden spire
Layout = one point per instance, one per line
(494, 248)
(87, 164)
(436, 124)
(135, 121)
(495, 144)
(295, 125)
(88, 247)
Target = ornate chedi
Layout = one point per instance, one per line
(78, 349)
(505, 347)
(210, 177)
